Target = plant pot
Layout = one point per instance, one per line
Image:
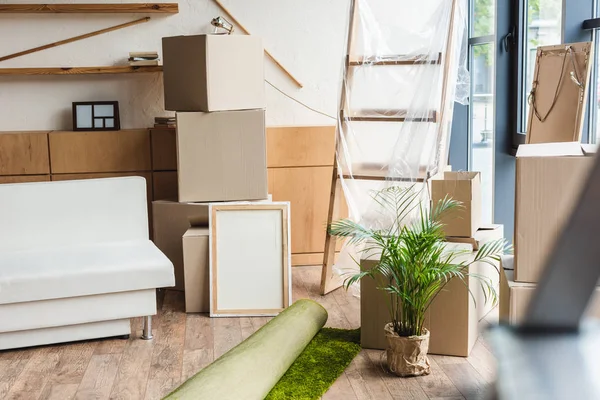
(407, 356)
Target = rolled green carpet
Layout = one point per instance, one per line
(251, 369)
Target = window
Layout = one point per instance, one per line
(481, 110)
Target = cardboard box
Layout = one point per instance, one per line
(195, 270)
(453, 318)
(515, 298)
(549, 179)
(485, 234)
(213, 73)
(222, 156)
(466, 188)
(171, 221)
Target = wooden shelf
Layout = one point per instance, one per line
(125, 69)
(165, 8)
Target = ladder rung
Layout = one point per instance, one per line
(381, 178)
(375, 115)
(393, 60)
(381, 175)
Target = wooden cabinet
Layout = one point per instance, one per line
(93, 152)
(24, 153)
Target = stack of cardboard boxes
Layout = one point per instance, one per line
(453, 319)
(549, 179)
(215, 83)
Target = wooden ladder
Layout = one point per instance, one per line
(329, 280)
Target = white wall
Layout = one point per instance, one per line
(306, 36)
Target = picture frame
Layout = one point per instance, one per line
(96, 116)
(249, 258)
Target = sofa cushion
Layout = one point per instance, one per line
(82, 270)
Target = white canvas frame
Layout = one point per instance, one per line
(227, 275)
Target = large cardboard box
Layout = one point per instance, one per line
(222, 156)
(515, 298)
(453, 318)
(466, 188)
(549, 179)
(195, 270)
(171, 221)
(213, 73)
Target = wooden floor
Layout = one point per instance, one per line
(183, 344)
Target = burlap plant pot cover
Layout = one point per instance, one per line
(407, 356)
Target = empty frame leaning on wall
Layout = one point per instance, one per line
(559, 93)
(250, 259)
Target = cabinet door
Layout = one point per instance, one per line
(24, 153)
(97, 152)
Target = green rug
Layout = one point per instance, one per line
(320, 364)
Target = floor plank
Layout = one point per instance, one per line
(132, 374)
(61, 391)
(99, 377)
(35, 375)
(399, 388)
(10, 370)
(466, 379)
(199, 332)
(72, 363)
(169, 341)
(437, 385)
(366, 380)
(340, 390)
(227, 333)
(195, 360)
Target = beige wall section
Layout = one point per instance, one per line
(104, 151)
(24, 153)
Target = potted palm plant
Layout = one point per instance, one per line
(415, 265)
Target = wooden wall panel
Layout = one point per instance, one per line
(300, 146)
(165, 185)
(24, 153)
(24, 178)
(307, 189)
(164, 149)
(95, 152)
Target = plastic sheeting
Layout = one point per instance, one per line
(407, 61)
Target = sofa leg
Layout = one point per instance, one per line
(147, 333)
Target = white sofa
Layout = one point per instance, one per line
(76, 262)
